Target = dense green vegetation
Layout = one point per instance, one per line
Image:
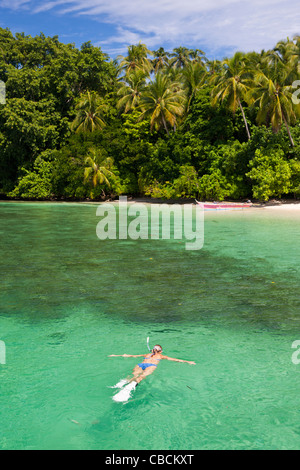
(78, 125)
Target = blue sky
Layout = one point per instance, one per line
(219, 27)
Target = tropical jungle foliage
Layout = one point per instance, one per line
(79, 125)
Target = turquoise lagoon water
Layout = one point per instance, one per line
(68, 300)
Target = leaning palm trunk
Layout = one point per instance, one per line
(288, 130)
(245, 120)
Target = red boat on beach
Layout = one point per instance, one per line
(224, 205)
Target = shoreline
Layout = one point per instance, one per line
(282, 205)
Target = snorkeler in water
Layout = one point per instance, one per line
(146, 367)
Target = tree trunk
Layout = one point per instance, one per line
(245, 120)
(164, 123)
(288, 129)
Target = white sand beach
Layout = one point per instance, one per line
(284, 207)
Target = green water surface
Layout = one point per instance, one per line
(68, 300)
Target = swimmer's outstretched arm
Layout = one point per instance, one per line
(178, 360)
(127, 355)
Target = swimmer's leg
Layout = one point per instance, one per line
(137, 371)
(145, 374)
(125, 393)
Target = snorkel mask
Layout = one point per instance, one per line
(157, 348)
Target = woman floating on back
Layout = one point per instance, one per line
(142, 370)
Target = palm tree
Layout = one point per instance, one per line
(90, 110)
(272, 92)
(280, 60)
(194, 76)
(282, 49)
(174, 75)
(160, 60)
(214, 68)
(255, 60)
(181, 57)
(99, 168)
(162, 101)
(293, 55)
(136, 59)
(232, 85)
(130, 91)
(198, 56)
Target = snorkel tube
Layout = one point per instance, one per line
(148, 339)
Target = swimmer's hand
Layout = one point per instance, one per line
(191, 362)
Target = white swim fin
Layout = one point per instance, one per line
(121, 383)
(125, 393)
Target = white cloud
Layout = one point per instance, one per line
(208, 24)
(13, 4)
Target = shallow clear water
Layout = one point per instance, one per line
(68, 300)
